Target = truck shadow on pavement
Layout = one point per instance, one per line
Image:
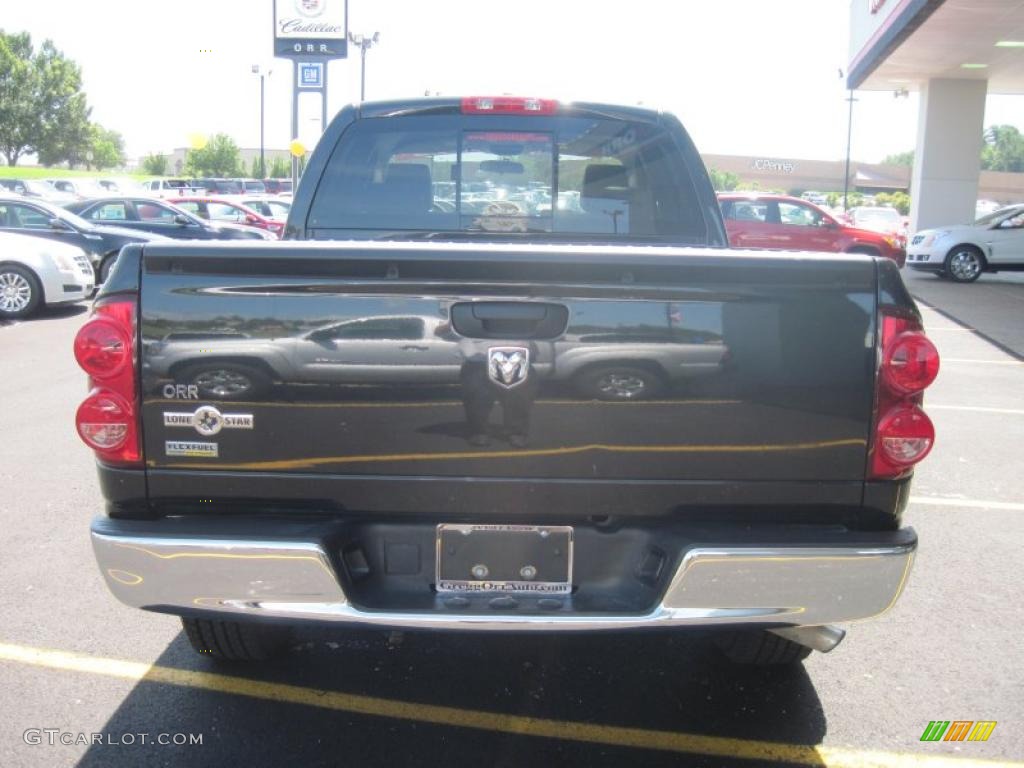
(990, 307)
(656, 681)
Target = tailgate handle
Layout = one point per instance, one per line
(509, 320)
(501, 310)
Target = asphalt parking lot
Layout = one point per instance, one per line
(74, 660)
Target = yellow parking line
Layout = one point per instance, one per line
(315, 461)
(517, 725)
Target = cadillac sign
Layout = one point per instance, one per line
(311, 28)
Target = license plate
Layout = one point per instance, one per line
(504, 558)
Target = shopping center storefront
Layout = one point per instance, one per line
(798, 175)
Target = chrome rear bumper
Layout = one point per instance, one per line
(294, 579)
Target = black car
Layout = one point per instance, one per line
(159, 217)
(221, 186)
(40, 219)
(278, 186)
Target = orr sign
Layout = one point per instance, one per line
(317, 28)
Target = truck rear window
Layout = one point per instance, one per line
(613, 179)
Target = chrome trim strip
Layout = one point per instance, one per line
(797, 586)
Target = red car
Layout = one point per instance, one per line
(222, 209)
(788, 223)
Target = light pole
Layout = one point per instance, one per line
(364, 43)
(263, 160)
(849, 136)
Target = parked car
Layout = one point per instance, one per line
(35, 272)
(788, 223)
(884, 220)
(632, 363)
(762, 506)
(79, 189)
(223, 210)
(37, 189)
(278, 186)
(43, 220)
(170, 187)
(272, 207)
(220, 186)
(123, 186)
(161, 217)
(961, 253)
(251, 186)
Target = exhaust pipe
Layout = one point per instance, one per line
(821, 638)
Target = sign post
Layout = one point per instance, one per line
(310, 33)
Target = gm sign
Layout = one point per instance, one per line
(311, 28)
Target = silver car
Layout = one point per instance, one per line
(37, 272)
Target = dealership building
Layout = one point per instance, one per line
(955, 53)
(795, 176)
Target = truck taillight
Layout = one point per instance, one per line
(108, 419)
(905, 436)
(910, 363)
(508, 105)
(903, 433)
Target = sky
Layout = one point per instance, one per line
(746, 77)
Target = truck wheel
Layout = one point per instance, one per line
(20, 292)
(225, 381)
(234, 640)
(619, 382)
(761, 649)
(964, 264)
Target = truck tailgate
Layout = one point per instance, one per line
(544, 363)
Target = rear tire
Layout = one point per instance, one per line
(20, 292)
(233, 640)
(225, 381)
(760, 649)
(619, 383)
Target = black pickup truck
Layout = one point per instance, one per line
(512, 380)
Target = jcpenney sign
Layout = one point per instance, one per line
(776, 166)
(311, 28)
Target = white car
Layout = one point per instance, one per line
(35, 272)
(961, 253)
(267, 205)
(78, 189)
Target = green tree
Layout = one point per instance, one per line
(900, 158)
(256, 170)
(220, 157)
(723, 181)
(1003, 149)
(42, 107)
(107, 149)
(279, 168)
(154, 164)
(898, 200)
